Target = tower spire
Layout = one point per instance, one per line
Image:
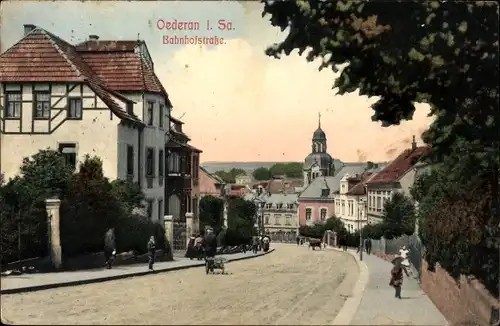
(319, 119)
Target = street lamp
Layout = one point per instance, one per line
(360, 207)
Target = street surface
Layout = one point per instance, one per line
(292, 285)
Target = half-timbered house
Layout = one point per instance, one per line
(98, 97)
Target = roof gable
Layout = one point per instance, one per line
(400, 165)
(41, 56)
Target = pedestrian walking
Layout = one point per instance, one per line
(397, 279)
(368, 246)
(151, 252)
(298, 241)
(109, 248)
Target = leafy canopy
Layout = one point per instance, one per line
(398, 216)
(441, 53)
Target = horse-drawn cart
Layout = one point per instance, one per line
(313, 243)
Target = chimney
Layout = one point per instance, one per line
(413, 144)
(93, 37)
(28, 28)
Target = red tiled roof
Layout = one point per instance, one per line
(359, 188)
(44, 57)
(397, 168)
(114, 45)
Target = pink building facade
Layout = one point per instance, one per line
(315, 210)
(209, 184)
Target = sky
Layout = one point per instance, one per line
(237, 103)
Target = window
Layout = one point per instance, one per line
(160, 209)
(279, 206)
(69, 153)
(308, 214)
(150, 114)
(75, 108)
(162, 116)
(289, 206)
(288, 219)
(130, 161)
(266, 219)
(323, 213)
(13, 104)
(41, 105)
(269, 206)
(196, 166)
(149, 208)
(150, 166)
(174, 163)
(161, 163)
(277, 219)
(379, 204)
(342, 207)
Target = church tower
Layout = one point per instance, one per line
(318, 162)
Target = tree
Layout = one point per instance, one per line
(261, 174)
(128, 194)
(425, 57)
(229, 177)
(334, 223)
(211, 213)
(398, 216)
(317, 230)
(441, 53)
(290, 170)
(24, 216)
(241, 220)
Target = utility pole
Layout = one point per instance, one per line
(359, 230)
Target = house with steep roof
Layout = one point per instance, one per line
(350, 200)
(397, 176)
(99, 97)
(210, 184)
(317, 201)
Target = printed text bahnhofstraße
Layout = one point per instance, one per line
(192, 40)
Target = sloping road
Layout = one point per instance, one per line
(292, 285)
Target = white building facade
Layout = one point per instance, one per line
(350, 203)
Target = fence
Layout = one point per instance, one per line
(392, 246)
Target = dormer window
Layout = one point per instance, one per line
(269, 206)
(289, 206)
(279, 206)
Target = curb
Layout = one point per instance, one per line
(117, 277)
(351, 305)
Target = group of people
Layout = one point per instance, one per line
(200, 246)
(110, 249)
(260, 243)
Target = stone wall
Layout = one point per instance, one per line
(462, 302)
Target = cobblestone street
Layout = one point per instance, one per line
(289, 286)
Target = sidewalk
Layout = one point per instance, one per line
(379, 306)
(43, 281)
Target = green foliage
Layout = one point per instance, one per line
(373, 231)
(211, 210)
(334, 224)
(458, 224)
(261, 174)
(90, 204)
(23, 214)
(317, 230)
(441, 53)
(291, 170)
(399, 216)
(88, 210)
(229, 177)
(241, 221)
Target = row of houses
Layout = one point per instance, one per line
(355, 193)
(103, 98)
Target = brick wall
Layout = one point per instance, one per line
(464, 302)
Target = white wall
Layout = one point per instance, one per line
(153, 137)
(354, 218)
(95, 134)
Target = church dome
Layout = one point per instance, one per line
(319, 134)
(324, 160)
